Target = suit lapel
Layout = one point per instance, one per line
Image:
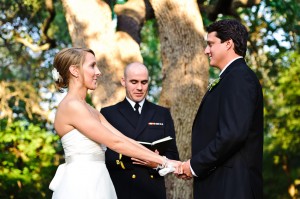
(200, 108)
(234, 64)
(127, 112)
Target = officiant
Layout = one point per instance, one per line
(144, 121)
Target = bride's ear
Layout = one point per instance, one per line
(74, 70)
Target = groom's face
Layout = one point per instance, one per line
(216, 50)
(136, 82)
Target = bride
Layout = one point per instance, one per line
(85, 133)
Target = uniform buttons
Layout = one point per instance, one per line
(133, 176)
(151, 176)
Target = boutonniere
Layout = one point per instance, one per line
(213, 83)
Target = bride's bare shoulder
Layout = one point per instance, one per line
(70, 103)
(70, 108)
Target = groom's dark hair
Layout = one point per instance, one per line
(231, 29)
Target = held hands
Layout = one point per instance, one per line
(180, 169)
(170, 166)
(185, 172)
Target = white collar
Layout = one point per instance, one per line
(229, 64)
(132, 103)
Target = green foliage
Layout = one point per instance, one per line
(29, 153)
(273, 29)
(282, 140)
(19, 100)
(58, 29)
(150, 49)
(27, 160)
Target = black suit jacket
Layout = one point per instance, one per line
(227, 137)
(133, 181)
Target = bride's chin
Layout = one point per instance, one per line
(92, 88)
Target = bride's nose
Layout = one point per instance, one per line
(98, 72)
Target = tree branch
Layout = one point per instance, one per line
(225, 7)
(47, 22)
(32, 46)
(46, 42)
(131, 17)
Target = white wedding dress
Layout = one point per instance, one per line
(84, 175)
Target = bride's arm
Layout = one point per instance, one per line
(78, 116)
(116, 132)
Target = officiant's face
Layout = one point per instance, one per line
(136, 81)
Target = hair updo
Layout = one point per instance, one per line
(64, 59)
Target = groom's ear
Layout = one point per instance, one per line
(229, 44)
(74, 70)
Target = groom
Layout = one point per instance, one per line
(227, 134)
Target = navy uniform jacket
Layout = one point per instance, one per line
(227, 137)
(155, 122)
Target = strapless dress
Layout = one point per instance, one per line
(84, 175)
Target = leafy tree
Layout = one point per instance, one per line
(29, 151)
(28, 159)
(282, 141)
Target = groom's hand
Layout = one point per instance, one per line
(185, 173)
(186, 168)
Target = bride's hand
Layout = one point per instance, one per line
(176, 165)
(171, 166)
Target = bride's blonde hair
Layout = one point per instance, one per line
(64, 59)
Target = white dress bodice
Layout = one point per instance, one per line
(84, 175)
(76, 143)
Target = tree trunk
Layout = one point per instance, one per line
(90, 25)
(185, 74)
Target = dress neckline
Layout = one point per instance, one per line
(68, 133)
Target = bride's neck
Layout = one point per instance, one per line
(78, 94)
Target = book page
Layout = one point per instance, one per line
(162, 140)
(156, 141)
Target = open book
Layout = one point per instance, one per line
(161, 145)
